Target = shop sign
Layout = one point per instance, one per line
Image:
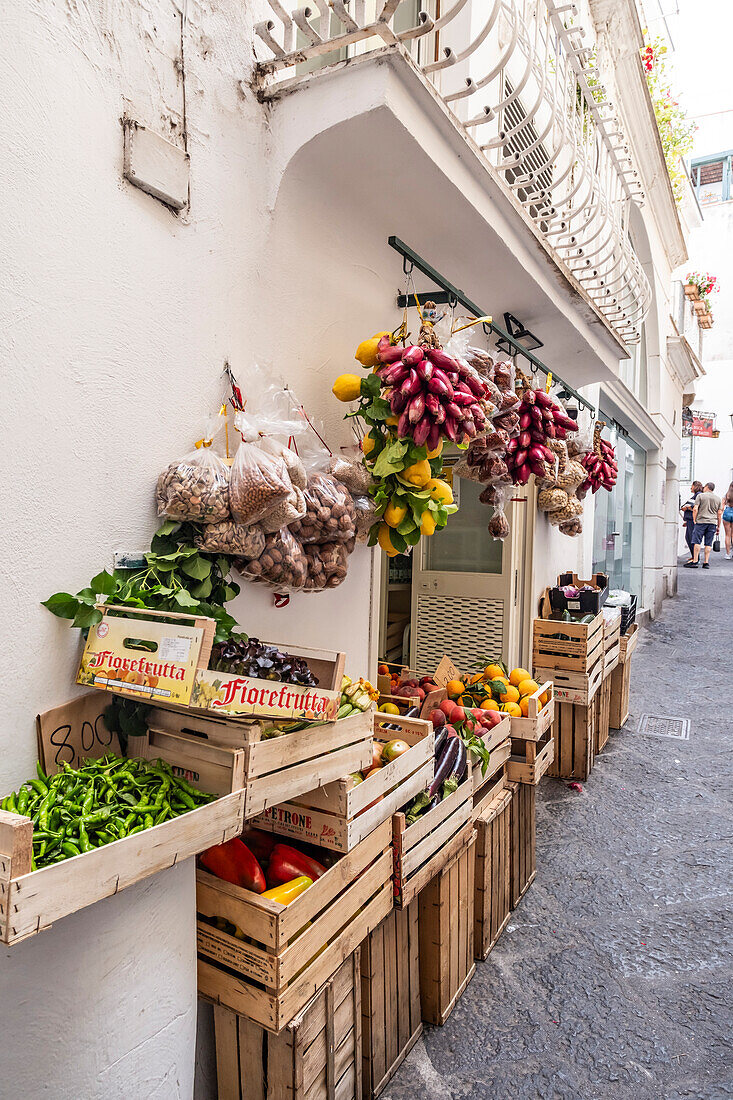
(702, 425)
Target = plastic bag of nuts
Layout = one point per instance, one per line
(282, 563)
(365, 509)
(292, 461)
(232, 538)
(257, 483)
(286, 512)
(350, 471)
(330, 514)
(195, 489)
(327, 565)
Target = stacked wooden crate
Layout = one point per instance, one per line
(621, 679)
(611, 651)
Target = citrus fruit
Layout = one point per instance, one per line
(395, 512)
(347, 387)
(427, 523)
(513, 709)
(366, 353)
(545, 698)
(384, 541)
(511, 695)
(494, 672)
(528, 687)
(418, 474)
(455, 688)
(438, 450)
(524, 705)
(440, 490)
(518, 674)
(489, 704)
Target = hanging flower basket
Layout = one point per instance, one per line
(699, 307)
(705, 321)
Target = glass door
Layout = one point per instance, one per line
(618, 531)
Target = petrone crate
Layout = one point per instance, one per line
(574, 687)
(340, 814)
(390, 997)
(316, 1057)
(277, 768)
(523, 826)
(539, 715)
(146, 654)
(289, 951)
(492, 883)
(574, 733)
(576, 647)
(530, 760)
(422, 849)
(31, 901)
(446, 915)
(243, 696)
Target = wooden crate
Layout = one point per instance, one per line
(498, 742)
(530, 760)
(574, 687)
(316, 1057)
(390, 997)
(621, 679)
(602, 704)
(492, 884)
(573, 646)
(217, 769)
(422, 849)
(446, 927)
(290, 950)
(523, 854)
(611, 644)
(31, 901)
(574, 733)
(539, 717)
(278, 768)
(340, 814)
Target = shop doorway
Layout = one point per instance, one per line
(618, 525)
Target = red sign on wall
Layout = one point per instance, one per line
(702, 425)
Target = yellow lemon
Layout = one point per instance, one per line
(347, 387)
(518, 674)
(395, 512)
(366, 353)
(417, 474)
(368, 443)
(385, 542)
(389, 708)
(438, 450)
(440, 490)
(427, 522)
(392, 421)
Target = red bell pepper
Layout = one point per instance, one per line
(234, 863)
(260, 843)
(287, 863)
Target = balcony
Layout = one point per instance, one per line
(518, 80)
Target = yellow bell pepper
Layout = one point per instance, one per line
(288, 891)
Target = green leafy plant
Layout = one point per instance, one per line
(675, 131)
(176, 577)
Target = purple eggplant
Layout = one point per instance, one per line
(445, 764)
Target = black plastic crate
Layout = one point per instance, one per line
(628, 616)
(587, 603)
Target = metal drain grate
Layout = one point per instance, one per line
(654, 726)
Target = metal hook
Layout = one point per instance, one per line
(407, 266)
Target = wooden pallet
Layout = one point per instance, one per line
(602, 704)
(340, 814)
(621, 679)
(316, 1057)
(567, 645)
(422, 849)
(574, 734)
(278, 768)
(390, 997)
(492, 884)
(289, 951)
(539, 716)
(574, 687)
(523, 826)
(446, 908)
(530, 760)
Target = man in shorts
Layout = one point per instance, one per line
(706, 514)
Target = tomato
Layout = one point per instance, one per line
(376, 756)
(393, 749)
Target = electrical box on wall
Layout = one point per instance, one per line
(155, 165)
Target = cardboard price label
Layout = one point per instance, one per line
(445, 671)
(75, 732)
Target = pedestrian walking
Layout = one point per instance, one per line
(686, 511)
(706, 513)
(728, 522)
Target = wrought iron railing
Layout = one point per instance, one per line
(523, 84)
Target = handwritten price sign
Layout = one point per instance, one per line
(75, 732)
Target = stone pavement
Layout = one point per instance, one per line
(614, 979)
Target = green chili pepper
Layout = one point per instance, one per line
(84, 839)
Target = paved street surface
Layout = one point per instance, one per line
(613, 978)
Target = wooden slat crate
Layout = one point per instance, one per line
(340, 814)
(217, 769)
(523, 825)
(573, 646)
(446, 908)
(574, 734)
(31, 901)
(492, 886)
(611, 643)
(290, 950)
(621, 679)
(316, 1057)
(278, 768)
(574, 687)
(390, 997)
(422, 849)
(530, 760)
(494, 740)
(539, 716)
(602, 704)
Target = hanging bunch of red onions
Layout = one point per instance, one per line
(540, 419)
(434, 395)
(600, 463)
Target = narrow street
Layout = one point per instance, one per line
(613, 979)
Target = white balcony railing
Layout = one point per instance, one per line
(522, 83)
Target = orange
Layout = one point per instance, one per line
(524, 705)
(489, 704)
(494, 672)
(455, 688)
(477, 678)
(511, 695)
(518, 674)
(528, 687)
(544, 698)
(513, 709)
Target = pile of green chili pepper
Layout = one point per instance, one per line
(105, 800)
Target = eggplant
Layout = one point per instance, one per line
(440, 740)
(445, 764)
(413, 712)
